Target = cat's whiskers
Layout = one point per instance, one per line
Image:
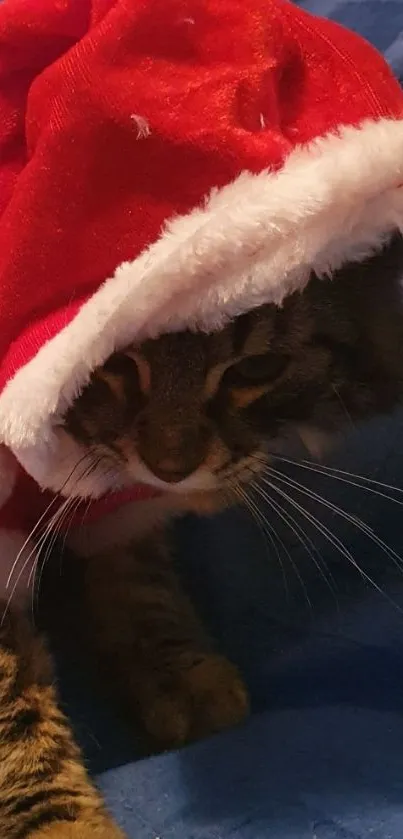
(304, 540)
(43, 518)
(54, 534)
(344, 406)
(328, 534)
(352, 519)
(55, 528)
(253, 466)
(52, 527)
(266, 529)
(33, 555)
(280, 513)
(360, 481)
(281, 542)
(249, 464)
(39, 544)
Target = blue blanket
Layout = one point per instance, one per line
(322, 756)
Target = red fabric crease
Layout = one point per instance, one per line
(224, 85)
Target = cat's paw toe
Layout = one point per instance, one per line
(206, 697)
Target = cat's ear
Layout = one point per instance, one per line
(318, 443)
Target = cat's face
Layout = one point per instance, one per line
(192, 412)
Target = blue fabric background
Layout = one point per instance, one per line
(322, 756)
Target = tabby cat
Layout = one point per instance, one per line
(194, 416)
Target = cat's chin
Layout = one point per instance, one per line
(111, 501)
(202, 480)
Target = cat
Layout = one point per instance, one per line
(196, 417)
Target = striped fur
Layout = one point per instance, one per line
(189, 401)
(154, 650)
(44, 788)
(184, 405)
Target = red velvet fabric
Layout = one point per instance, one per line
(224, 85)
(29, 505)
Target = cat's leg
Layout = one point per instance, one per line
(44, 789)
(153, 648)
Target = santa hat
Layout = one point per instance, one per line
(168, 164)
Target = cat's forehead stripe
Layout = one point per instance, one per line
(143, 369)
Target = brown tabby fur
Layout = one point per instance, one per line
(180, 403)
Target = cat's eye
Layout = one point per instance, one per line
(257, 369)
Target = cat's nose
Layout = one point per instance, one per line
(173, 453)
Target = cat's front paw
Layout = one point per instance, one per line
(200, 699)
